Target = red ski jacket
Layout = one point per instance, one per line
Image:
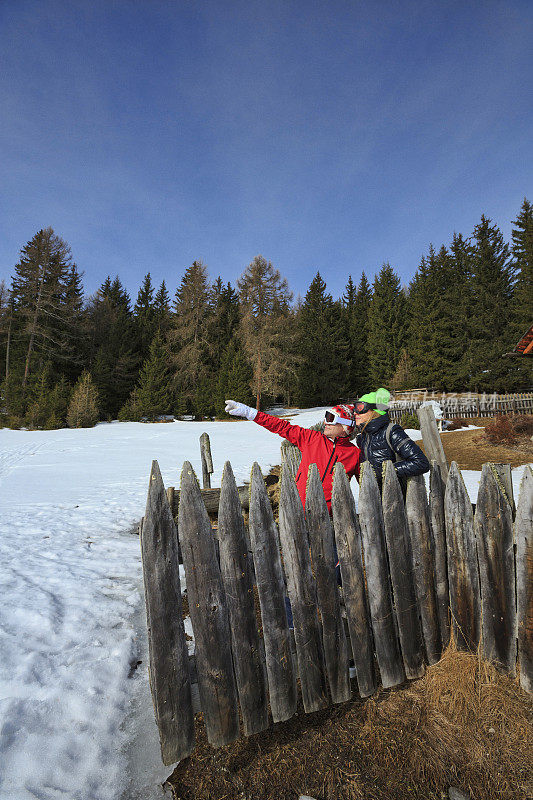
(316, 449)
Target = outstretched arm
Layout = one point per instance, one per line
(293, 433)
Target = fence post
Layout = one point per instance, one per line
(377, 577)
(237, 579)
(209, 614)
(271, 591)
(493, 526)
(321, 540)
(524, 579)
(401, 571)
(169, 660)
(302, 594)
(432, 441)
(438, 531)
(348, 539)
(207, 461)
(462, 562)
(423, 565)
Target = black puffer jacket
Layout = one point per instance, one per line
(410, 460)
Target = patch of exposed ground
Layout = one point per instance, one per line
(462, 724)
(471, 450)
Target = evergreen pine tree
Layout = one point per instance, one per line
(153, 394)
(489, 369)
(112, 345)
(522, 251)
(145, 316)
(83, 407)
(187, 336)
(162, 309)
(234, 377)
(322, 347)
(359, 336)
(387, 325)
(265, 327)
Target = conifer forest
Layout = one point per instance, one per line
(71, 359)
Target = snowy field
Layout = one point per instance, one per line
(76, 719)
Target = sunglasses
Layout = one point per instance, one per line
(335, 419)
(361, 407)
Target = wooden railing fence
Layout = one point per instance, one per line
(410, 577)
(466, 405)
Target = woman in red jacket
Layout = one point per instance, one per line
(323, 449)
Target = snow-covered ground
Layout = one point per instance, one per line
(76, 720)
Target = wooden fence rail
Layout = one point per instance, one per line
(466, 406)
(411, 573)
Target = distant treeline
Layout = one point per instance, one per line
(72, 360)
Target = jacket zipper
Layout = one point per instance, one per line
(329, 462)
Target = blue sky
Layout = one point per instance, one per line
(329, 136)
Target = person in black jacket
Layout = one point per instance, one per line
(381, 440)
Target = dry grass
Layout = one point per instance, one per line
(462, 724)
(471, 450)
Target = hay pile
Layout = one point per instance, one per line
(462, 724)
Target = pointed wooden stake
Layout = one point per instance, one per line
(401, 571)
(271, 591)
(416, 505)
(493, 526)
(302, 594)
(524, 578)
(465, 602)
(348, 539)
(237, 579)
(321, 542)
(169, 660)
(377, 578)
(438, 531)
(209, 614)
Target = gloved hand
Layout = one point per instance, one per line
(240, 410)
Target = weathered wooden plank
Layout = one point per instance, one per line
(237, 579)
(169, 662)
(348, 539)
(207, 461)
(209, 614)
(321, 541)
(377, 578)
(502, 474)
(416, 506)
(401, 571)
(438, 533)
(493, 526)
(303, 596)
(290, 458)
(524, 578)
(432, 441)
(465, 602)
(271, 592)
(211, 498)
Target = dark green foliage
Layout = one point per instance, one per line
(487, 367)
(323, 347)
(410, 421)
(467, 305)
(387, 326)
(234, 378)
(83, 407)
(152, 397)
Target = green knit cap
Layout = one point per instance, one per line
(381, 397)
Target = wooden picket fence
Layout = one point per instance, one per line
(413, 573)
(466, 405)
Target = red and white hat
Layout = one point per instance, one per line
(342, 414)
